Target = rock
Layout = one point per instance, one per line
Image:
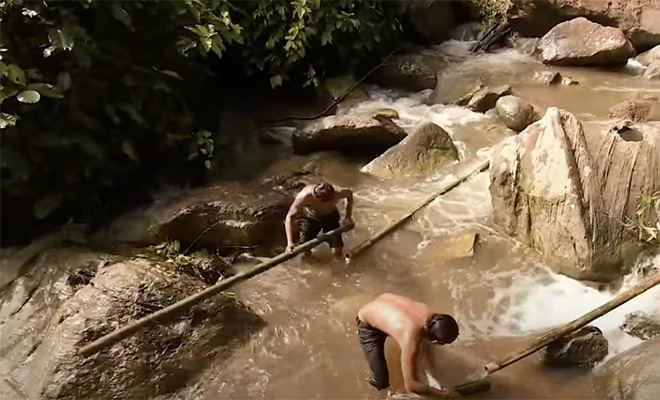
(583, 348)
(636, 110)
(553, 78)
(582, 42)
(631, 375)
(524, 45)
(333, 88)
(349, 134)
(420, 154)
(515, 112)
(232, 215)
(59, 314)
(466, 32)
(649, 56)
(639, 19)
(485, 98)
(642, 326)
(410, 72)
(564, 187)
(432, 20)
(385, 112)
(653, 71)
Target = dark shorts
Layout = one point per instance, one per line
(372, 341)
(309, 228)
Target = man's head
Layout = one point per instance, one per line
(324, 191)
(441, 329)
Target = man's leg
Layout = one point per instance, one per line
(308, 229)
(336, 243)
(373, 345)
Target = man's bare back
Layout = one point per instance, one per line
(398, 316)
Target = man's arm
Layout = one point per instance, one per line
(409, 353)
(290, 227)
(348, 195)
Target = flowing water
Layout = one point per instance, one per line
(501, 296)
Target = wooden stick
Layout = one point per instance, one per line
(576, 324)
(355, 251)
(119, 334)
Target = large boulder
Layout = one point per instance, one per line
(410, 72)
(641, 325)
(485, 98)
(567, 189)
(348, 134)
(639, 19)
(582, 42)
(432, 20)
(653, 71)
(583, 348)
(67, 300)
(515, 112)
(649, 56)
(631, 375)
(420, 154)
(637, 110)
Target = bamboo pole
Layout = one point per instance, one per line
(576, 324)
(355, 251)
(182, 305)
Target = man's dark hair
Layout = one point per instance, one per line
(323, 191)
(442, 328)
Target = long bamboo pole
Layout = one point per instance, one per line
(576, 324)
(119, 334)
(355, 251)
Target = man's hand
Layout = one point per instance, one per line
(289, 247)
(348, 223)
(450, 394)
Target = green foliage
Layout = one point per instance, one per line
(648, 206)
(100, 95)
(492, 12)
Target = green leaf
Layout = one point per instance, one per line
(47, 205)
(275, 81)
(60, 39)
(127, 148)
(121, 15)
(46, 89)
(207, 164)
(28, 96)
(7, 120)
(7, 92)
(206, 43)
(15, 74)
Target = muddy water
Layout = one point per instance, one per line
(501, 295)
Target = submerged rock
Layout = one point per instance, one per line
(70, 301)
(564, 187)
(582, 42)
(649, 56)
(348, 134)
(583, 348)
(515, 112)
(641, 325)
(637, 110)
(410, 72)
(418, 155)
(554, 78)
(631, 375)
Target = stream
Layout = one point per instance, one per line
(501, 296)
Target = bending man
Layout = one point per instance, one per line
(413, 325)
(314, 210)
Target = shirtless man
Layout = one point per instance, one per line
(315, 209)
(413, 325)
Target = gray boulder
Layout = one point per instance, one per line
(631, 375)
(515, 112)
(409, 72)
(637, 110)
(653, 71)
(649, 56)
(420, 154)
(553, 78)
(583, 348)
(641, 325)
(564, 187)
(582, 42)
(348, 134)
(485, 98)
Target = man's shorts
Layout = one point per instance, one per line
(372, 341)
(309, 228)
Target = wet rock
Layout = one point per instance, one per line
(41, 339)
(636, 110)
(515, 112)
(420, 154)
(525, 45)
(348, 134)
(410, 72)
(641, 325)
(653, 71)
(385, 112)
(582, 42)
(649, 56)
(455, 88)
(563, 187)
(232, 215)
(485, 98)
(631, 375)
(432, 20)
(333, 88)
(466, 32)
(583, 348)
(639, 19)
(553, 78)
